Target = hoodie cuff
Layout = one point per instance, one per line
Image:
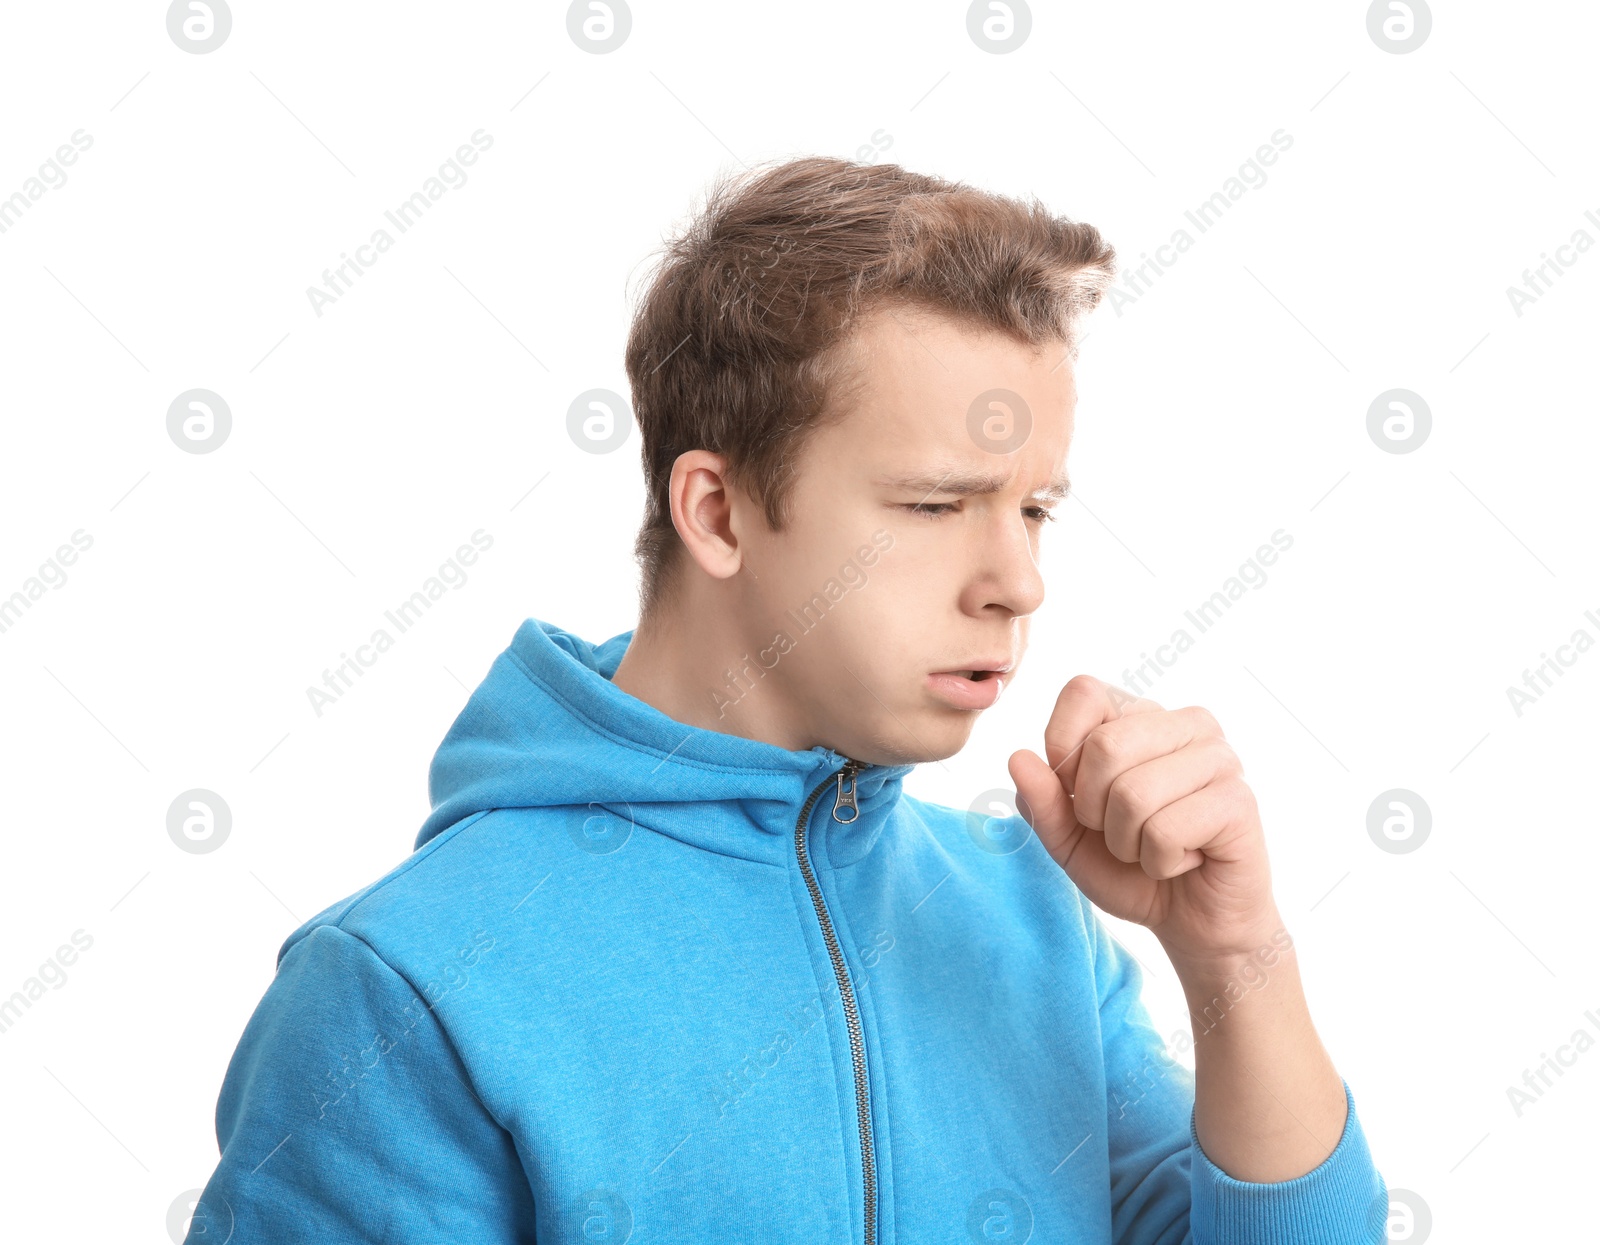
(1341, 1201)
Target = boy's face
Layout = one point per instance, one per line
(911, 595)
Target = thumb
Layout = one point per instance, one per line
(1081, 852)
(1042, 800)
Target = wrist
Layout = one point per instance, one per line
(1243, 961)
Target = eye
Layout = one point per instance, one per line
(1041, 513)
(930, 510)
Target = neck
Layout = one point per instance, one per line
(695, 662)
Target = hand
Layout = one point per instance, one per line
(1148, 812)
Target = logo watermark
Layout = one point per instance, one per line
(852, 576)
(999, 26)
(352, 1071)
(738, 1080)
(593, 420)
(199, 26)
(1400, 1215)
(606, 1217)
(199, 421)
(1399, 26)
(189, 1212)
(52, 973)
(1541, 279)
(341, 278)
(1398, 421)
(50, 575)
(999, 1215)
(1251, 575)
(599, 26)
(198, 821)
(1536, 1080)
(1539, 680)
(998, 420)
(51, 176)
(1251, 979)
(451, 573)
(1138, 279)
(1399, 821)
(601, 831)
(999, 821)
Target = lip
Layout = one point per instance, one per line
(999, 665)
(965, 693)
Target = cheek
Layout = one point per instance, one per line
(892, 618)
(789, 566)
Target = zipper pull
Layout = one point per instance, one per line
(846, 798)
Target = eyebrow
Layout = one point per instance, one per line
(969, 483)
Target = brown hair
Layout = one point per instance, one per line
(739, 346)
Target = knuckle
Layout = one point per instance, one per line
(1121, 697)
(1160, 859)
(1056, 737)
(1160, 870)
(1104, 747)
(1236, 797)
(1126, 798)
(1087, 815)
(1081, 685)
(1244, 794)
(1224, 758)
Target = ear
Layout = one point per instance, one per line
(702, 511)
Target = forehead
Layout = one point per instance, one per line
(922, 379)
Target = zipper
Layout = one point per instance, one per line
(845, 800)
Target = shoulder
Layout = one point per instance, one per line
(442, 892)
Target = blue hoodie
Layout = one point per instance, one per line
(645, 982)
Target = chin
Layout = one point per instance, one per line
(957, 733)
(936, 737)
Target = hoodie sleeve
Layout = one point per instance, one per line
(1165, 1190)
(346, 1116)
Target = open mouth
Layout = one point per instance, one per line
(947, 684)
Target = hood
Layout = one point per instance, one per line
(547, 727)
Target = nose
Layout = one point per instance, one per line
(1005, 566)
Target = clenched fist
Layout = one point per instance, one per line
(1148, 812)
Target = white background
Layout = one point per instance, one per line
(369, 442)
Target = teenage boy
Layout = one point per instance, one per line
(677, 959)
